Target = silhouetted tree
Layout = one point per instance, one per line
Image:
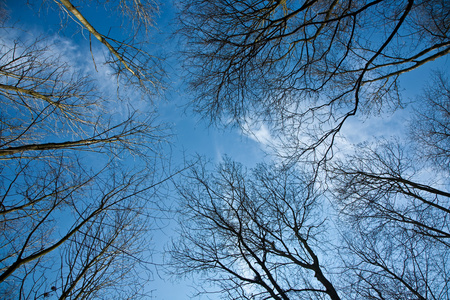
(80, 166)
(304, 67)
(395, 224)
(394, 197)
(256, 235)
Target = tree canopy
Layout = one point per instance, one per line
(305, 67)
(84, 160)
(80, 165)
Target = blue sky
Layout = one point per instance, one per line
(192, 135)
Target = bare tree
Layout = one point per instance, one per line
(80, 168)
(304, 67)
(397, 216)
(45, 97)
(394, 196)
(98, 227)
(255, 235)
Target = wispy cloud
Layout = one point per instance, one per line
(259, 132)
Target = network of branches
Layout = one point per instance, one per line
(305, 67)
(81, 167)
(367, 222)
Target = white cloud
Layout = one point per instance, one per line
(258, 132)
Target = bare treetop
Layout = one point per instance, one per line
(306, 66)
(255, 235)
